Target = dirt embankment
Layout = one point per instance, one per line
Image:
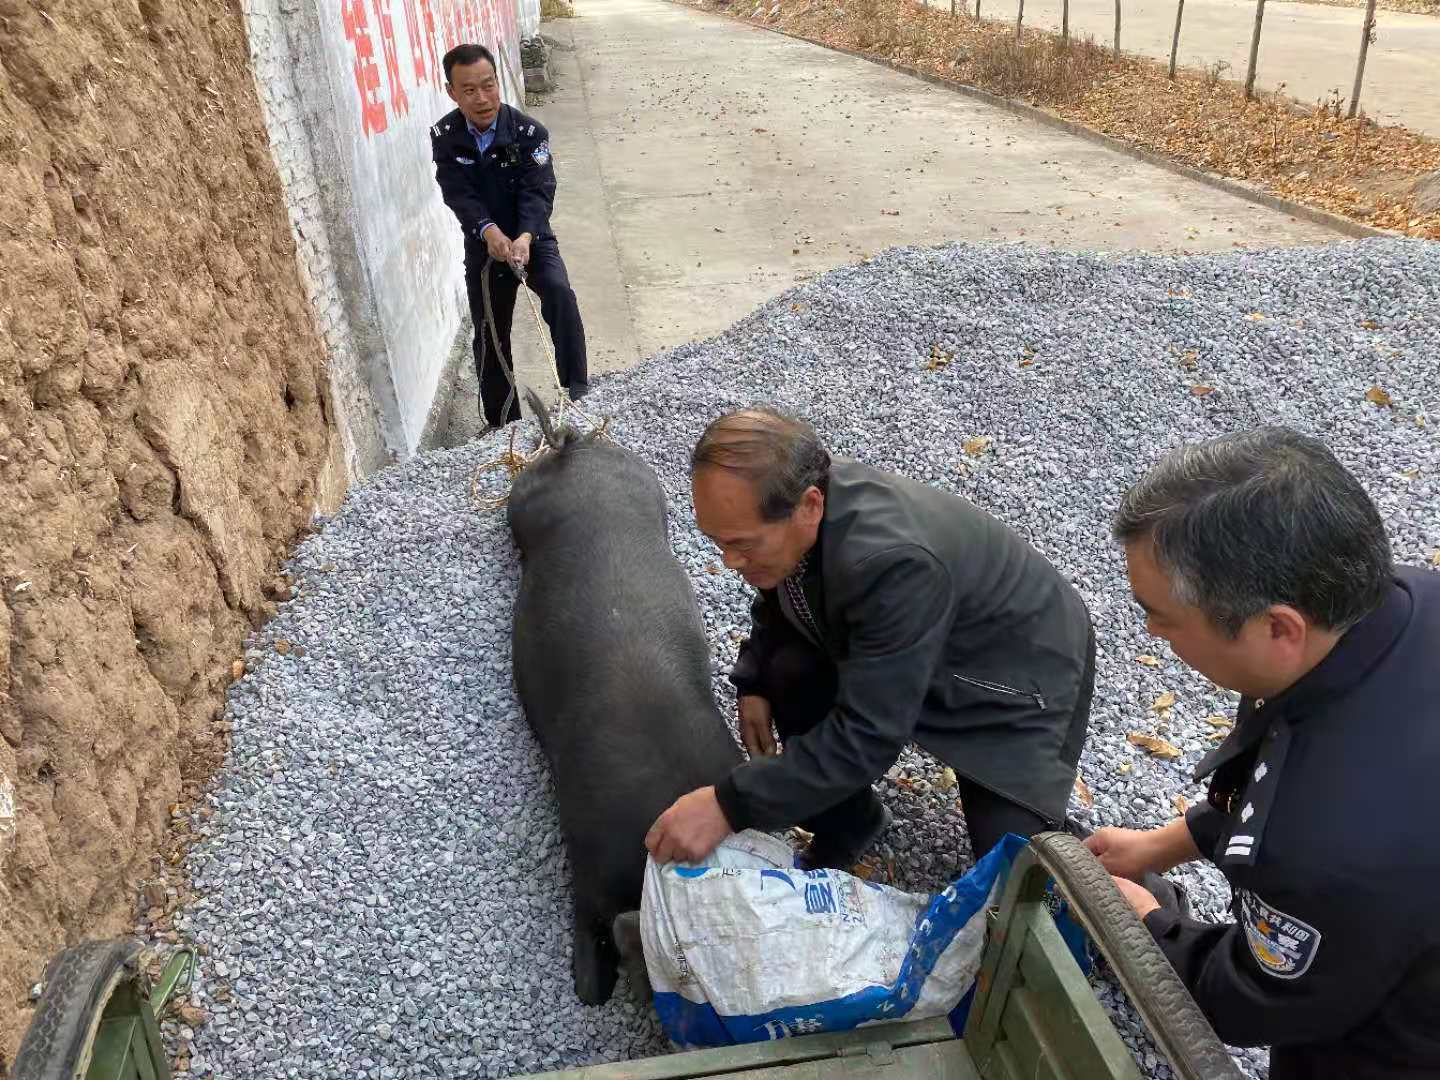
(164, 434)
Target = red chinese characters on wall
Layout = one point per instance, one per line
(367, 73)
(451, 22)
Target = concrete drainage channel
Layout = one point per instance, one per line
(382, 889)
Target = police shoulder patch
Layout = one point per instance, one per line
(1282, 945)
(541, 154)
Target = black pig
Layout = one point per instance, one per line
(613, 670)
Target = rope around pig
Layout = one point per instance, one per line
(512, 460)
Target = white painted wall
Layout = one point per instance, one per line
(350, 89)
(529, 18)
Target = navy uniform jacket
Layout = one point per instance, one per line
(945, 627)
(1324, 815)
(513, 184)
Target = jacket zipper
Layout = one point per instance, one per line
(998, 688)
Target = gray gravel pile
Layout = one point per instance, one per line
(384, 892)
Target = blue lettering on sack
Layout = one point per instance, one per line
(820, 898)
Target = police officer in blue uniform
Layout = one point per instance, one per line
(1266, 566)
(494, 169)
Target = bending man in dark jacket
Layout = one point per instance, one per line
(495, 172)
(888, 611)
(1266, 567)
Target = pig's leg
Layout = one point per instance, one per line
(626, 935)
(596, 964)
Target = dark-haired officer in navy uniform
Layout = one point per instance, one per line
(1266, 566)
(493, 165)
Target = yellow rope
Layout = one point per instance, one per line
(512, 460)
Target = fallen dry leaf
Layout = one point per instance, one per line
(237, 669)
(978, 445)
(1082, 791)
(1153, 744)
(712, 569)
(1201, 391)
(282, 646)
(1220, 721)
(1180, 804)
(948, 780)
(1435, 559)
(1377, 396)
(1370, 324)
(1163, 702)
(1148, 660)
(1256, 316)
(1123, 767)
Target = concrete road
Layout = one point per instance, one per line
(1311, 48)
(706, 165)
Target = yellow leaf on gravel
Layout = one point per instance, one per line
(1148, 660)
(1201, 391)
(1082, 791)
(947, 779)
(1435, 559)
(1377, 396)
(1256, 316)
(1123, 767)
(1219, 721)
(978, 445)
(1163, 702)
(1153, 744)
(1180, 804)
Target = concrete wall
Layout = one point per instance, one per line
(350, 89)
(529, 12)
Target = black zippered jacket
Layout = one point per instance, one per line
(512, 184)
(1323, 813)
(946, 628)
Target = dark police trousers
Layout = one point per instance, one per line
(547, 278)
(801, 684)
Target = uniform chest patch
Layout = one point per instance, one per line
(541, 154)
(1283, 946)
(465, 160)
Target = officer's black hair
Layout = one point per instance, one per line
(780, 454)
(464, 55)
(1262, 517)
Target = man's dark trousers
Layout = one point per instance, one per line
(801, 684)
(548, 279)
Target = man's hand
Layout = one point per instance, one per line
(498, 244)
(1140, 898)
(690, 830)
(1133, 853)
(756, 731)
(520, 250)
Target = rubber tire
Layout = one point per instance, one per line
(1175, 1021)
(79, 983)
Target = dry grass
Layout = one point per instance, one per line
(556, 9)
(1310, 154)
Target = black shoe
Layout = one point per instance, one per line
(842, 853)
(578, 391)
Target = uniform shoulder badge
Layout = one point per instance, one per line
(541, 154)
(1283, 946)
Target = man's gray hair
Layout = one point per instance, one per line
(1261, 517)
(780, 454)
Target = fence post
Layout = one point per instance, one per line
(952, 9)
(1065, 22)
(1019, 19)
(1254, 50)
(1117, 29)
(977, 10)
(1175, 42)
(1366, 33)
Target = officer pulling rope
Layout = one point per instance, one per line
(512, 460)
